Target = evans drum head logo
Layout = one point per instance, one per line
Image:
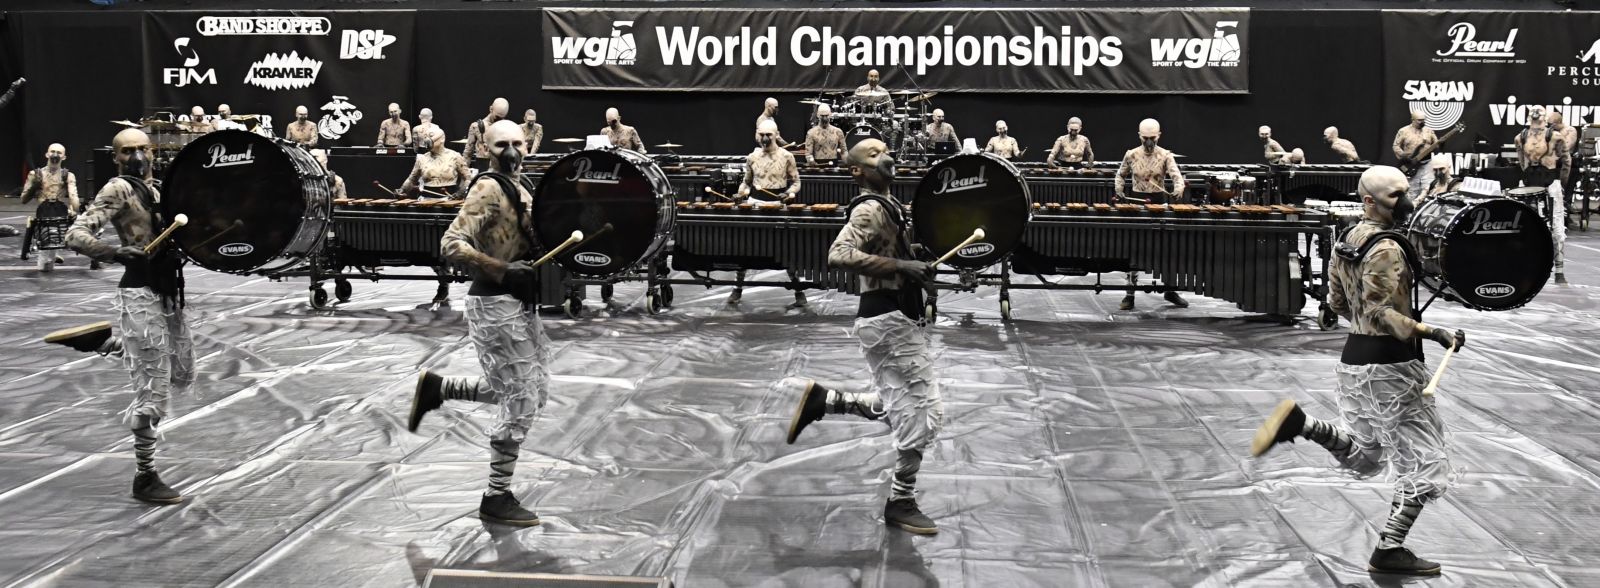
(617, 49)
(592, 259)
(283, 72)
(1495, 290)
(976, 250)
(212, 26)
(949, 183)
(236, 249)
(582, 172)
(220, 157)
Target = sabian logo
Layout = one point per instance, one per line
(948, 182)
(236, 249)
(1221, 50)
(282, 72)
(1464, 43)
(1440, 102)
(1482, 224)
(212, 26)
(1495, 290)
(592, 259)
(581, 173)
(976, 250)
(221, 158)
(617, 49)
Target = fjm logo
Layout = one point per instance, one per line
(592, 259)
(617, 49)
(283, 72)
(949, 183)
(583, 173)
(236, 249)
(221, 158)
(1441, 103)
(179, 77)
(363, 44)
(1221, 50)
(1464, 43)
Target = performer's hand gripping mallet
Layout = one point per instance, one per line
(710, 191)
(1433, 384)
(177, 221)
(571, 240)
(977, 235)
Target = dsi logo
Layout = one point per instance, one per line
(617, 49)
(363, 44)
(592, 259)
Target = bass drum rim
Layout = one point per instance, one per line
(1435, 250)
(1001, 251)
(850, 139)
(665, 214)
(314, 206)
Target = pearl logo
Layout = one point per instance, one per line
(949, 183)
(236, 249)
(1495, 290)
(976, 250)
(581, 172)
(1483, 224)
(592, 259)
(221, 158)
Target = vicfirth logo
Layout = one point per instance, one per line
(617, 49)
(187, 75)
(236, 249)
(582, 174)
(1495, 290)
(949, 183)
(364, 44)
(976, 250)
(1221, 50)
(212, 26)
(592, 259)
(221, 158)
(1482, 224)
(1464, 43)
(283, 72)
(1440, 102)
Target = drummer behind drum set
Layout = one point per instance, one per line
(824, 142)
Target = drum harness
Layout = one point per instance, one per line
(165, 269)
(910, 298)
(506, 188)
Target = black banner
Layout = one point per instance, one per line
(1023, 50)
(1486, 70)
(345, 67)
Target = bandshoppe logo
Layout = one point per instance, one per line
(617, 49)
(282, 72)
(1466, 48)
(212, 26)
(1221, 50)
(1441, 102)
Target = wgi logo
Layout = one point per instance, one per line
(363, 44)
(186, 75)
(282, 72)
(1221, 50)
(618, 49)
(221, 158)
(1441, 102)
(1464, 43)
(212, 26)
(582, 174)
(949, 183)
(342, 115)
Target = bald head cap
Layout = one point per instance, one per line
(500, 107)
(1379, 179)
(824, 110)
(1331, 132)
(425, 115)
(129, 138)
(1264, 130)
(1149, 128)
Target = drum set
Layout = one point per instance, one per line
(897, 118)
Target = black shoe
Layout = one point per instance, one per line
(733, 298)
(426, 397)
(813, 405)
(1127, 303)
(1176, 300)
(904, 513)
(94, 264)
(1284, 424)
(148, 487)
(1400, 560)
(606, 292)
(504, 509)
(1561, 279)
(799, 299)
(86, 338)
(442, 295)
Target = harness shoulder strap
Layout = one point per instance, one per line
(509, 190)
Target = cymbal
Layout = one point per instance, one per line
(127, 123)
(903, 92)
(567, 140)
(923, 97)
(244, 117)
(813, 102)
(669, 145)
(1179, 155)
(461, 141)
(156, 123)
(872, 93)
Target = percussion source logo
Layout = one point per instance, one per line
(949, 183)
(581, 173)
(1441, 102)
(283, 72)
(221, 158)
(592, 259)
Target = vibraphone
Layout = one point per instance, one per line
(1319, 181)
(1256, 256)
(727, 237)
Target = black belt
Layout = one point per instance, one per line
(1378, 349)
(907, 300)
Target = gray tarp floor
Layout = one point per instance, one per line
(1082, 446)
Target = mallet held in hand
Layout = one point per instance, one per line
(1433, 384)
(977, 235)
(177, 221)
(571, 240)
(710, 191)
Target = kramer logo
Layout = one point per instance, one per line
(582, 174)
(617, 49)
(236, 249)
(1495, 290)
(1441, 102)
(1464, 43)
(212, 26)
(592, 259)
(187, 75)
(364, 44)
(221, 158)
(976, 250)
(1482, 224)
(283, 72)
(1221, 50)
(949, 183)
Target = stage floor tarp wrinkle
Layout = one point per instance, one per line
(1083, 446)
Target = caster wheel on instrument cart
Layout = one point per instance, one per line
(319, 298)
(572, 306)
(1327, 320)
(930, 312)
(342, 290)
(666, 296)
(1005, 310)
(652, 302)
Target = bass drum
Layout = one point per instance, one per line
(966, 192)
(860, 133)
(255, 205)
(587, 190)
(1486, 253)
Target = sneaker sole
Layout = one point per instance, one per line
(500, 521)
(1428, 572)
(915, 529)
(794, 421)
(1269, 430)
(78, 331)
(157, 500)
(416, 400)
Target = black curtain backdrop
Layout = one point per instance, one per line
(1309, 69)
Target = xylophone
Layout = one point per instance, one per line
(1319, 181)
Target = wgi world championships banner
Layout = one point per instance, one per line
(1022, 50)
(344, 67)
(1487, 70)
